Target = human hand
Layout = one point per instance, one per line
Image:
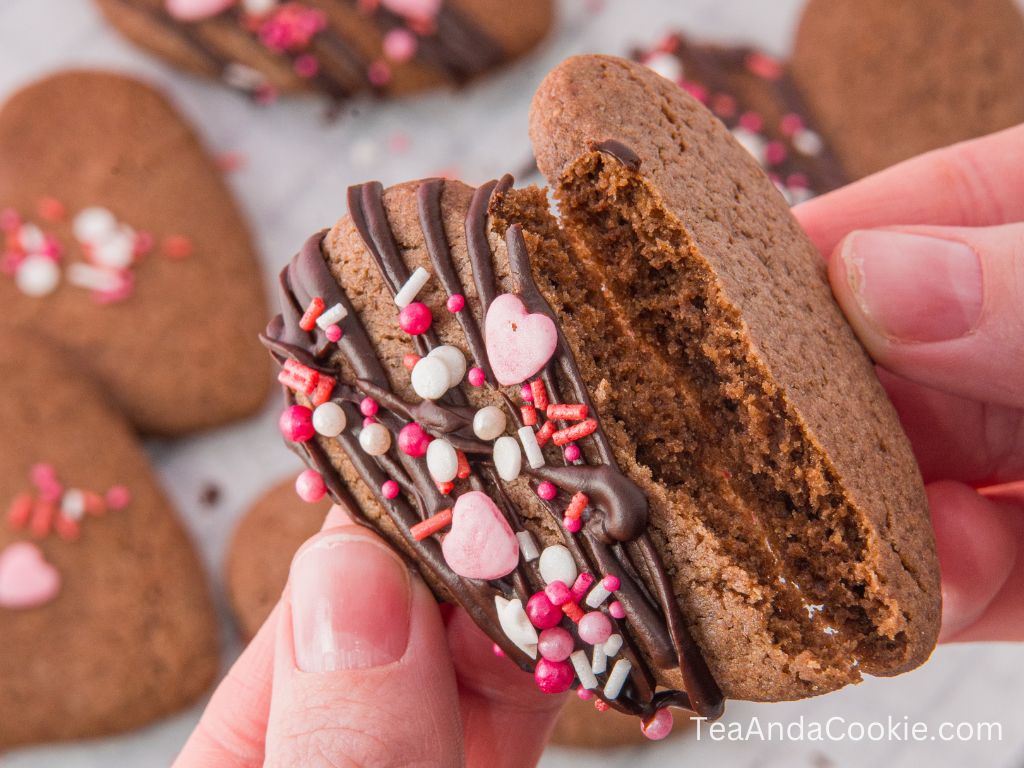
(358, 665)
(927, 261)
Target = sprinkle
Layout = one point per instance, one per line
(177, 247)
(599, 594)
(529, 414)
(545, 432)
(43, 513)
(572, 524)
(600, 705)
(19, 511)
(93, 278)
(375, 439)
(600, 660)
(516, 625)
(378, 73)
(298, 377)
(571, 452)
(368, 406)
(489, 422)
(389, 490)
(577, 505)
(399, 45)
(118, 497)
(322, 391)
(583, 694)
(774, 152)
(10, 220)
(310, 487)
(415, 318)
(613, 645)
(37, 276)
(595, 628)
(791, 123)
(527, 546)
(313, 311)
(67, 529)
(93, 223)
(553, 676)
(558, 593)
(445, 488)
(306, 66)
(540, 394)
(617, 678)
(329, 419)
(51, 209)
(555, 644)
(431, 525)
(496, 650)
(557, 564)
(581, 585)
(464, 469)
(616, 610)
(508, 458)
(413, 440)
(410, 360)
(454, 360)
(763, 65)
(575, 432)
(807, 142)
(368, 420)
(723, 105)
(751, 121)
(72, 505)
(442, 461)
(658, 726)
(408, 292)
(542, 613)
(477, 377)
(583, 669)
(332, 316)
(334, 333)
(456, 302)
(534, 455)
(567, 411)
(296, 424)
(526, 394)
(94, 503)
(430, 378)
(573, 611)
(547, 490)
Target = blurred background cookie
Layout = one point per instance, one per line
(339, 48)
(122, 245)
(105, 619)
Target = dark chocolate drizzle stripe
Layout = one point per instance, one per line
(614, 539)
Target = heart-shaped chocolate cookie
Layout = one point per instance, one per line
(105, 619)
(121, 243)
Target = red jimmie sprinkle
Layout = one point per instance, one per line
(567, 411)
(529, 415)
(298, 377)
(322, 391)
(19, 511)
(573, 611)
(545, 432)
(177, 247)
(577, 505)
(431, 525)
(313, 311)
(464, 470)
(575, 432)
(94, 503)
(66, 528)
(600, 705)
(445, 488)
(42, 518)
(540, 394)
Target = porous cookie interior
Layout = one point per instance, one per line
(711, 427)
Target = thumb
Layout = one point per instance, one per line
(942, 306)
(362, 672)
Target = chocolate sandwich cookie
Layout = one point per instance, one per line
(643, 449)
(888, 81)
(106, 622)
(120, 243)
(753, 94)
(338, 48)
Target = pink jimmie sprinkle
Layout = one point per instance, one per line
(477, 377)
(616, 610)
(399, 45)
(572, 452)
(547, 490)
(333, 333)
(456, 302)
(389, 489)
(581, 585)
(118, 497)
(558, 593)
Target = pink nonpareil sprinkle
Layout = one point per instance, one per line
(616, 610)
(310, 487)
(751, 121)
(542, 613)
(774, 152)
(378, 74)
(291, 27)
(476, 377)
(571, 452)
(763, 65)
(415, 318)
(572, 524)
(10, 220)
(306, 66)
(177, 247)
(553, 676)
(368, 406)
(333, 333)
(791, 123)
(547, 490)
(659, 726)
(400, 45)
(698, 91)
(456, 303)
(118, 497)
(389, 490)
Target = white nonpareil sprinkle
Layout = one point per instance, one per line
(115, 250)
(442, 461)
(597, 596)
(94, 278)
(600, 663)
(93, 224)
(617, 678)
(412, 287)
(331, 316)
(489, 422)
(527, 545)
(556, 564)
(39, 276)
(453, 360)
(31, 238)
(752, 142)
(516, 625)
(375, 439)
(534, 455)
(508, 458)
(583, 670)
(329, 419)
(613, 645)
(807, 142)
(72, 504)
(666, 65)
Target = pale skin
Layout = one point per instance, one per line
(952, 361)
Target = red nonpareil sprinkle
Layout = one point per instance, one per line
(577, 505)
(445, 488)
(600, 705)
(545, 432)
(547, 490)
(573, 611)
(575, 432)
(313, 311)
(540, 395)
(177, 247)
(51, 209)
(322, 392)
(432, 525)
(410, 360)
(464, 469)
(43, 513)
(19, 511)
(477, 377)
(67, 528)
(298, 377)
(567, 411)
(529, 415)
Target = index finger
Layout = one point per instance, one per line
(975, 183)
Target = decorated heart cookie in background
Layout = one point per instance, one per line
(337, 48)
(122, 246)
(101, 592)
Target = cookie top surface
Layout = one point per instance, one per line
(888, 81)
(97, 577)
(168, 333)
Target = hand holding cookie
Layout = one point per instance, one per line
(926, 261)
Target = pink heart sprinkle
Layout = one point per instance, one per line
(518, 344)
(197, 10)
(26, 579)
(481, 544)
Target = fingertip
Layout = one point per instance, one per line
(337, 516)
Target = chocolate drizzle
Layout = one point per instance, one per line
(614, 539)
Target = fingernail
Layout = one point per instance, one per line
(350, 604)
(914, 287)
